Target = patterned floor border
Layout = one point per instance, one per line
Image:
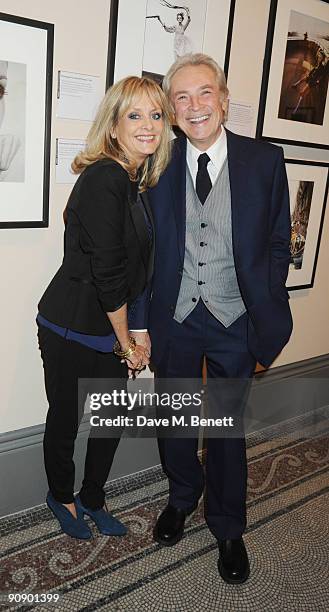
(288, 490)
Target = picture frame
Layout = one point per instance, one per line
(26, 71)
(130, 35)
(308, 187)
(294, 99)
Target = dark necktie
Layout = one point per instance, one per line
(203, 183)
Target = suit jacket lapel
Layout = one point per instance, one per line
(148, 211)
(178, 188)
(139, 221)
(238, 173)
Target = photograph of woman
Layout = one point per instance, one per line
(312, 77)
(171, 31)
(182, 44)
(304, 87)
(87, 310)
(10, 142)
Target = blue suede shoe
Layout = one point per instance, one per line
(74, 527)
(105, 522)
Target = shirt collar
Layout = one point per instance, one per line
(216, 152)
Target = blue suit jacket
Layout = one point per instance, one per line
(261, 238)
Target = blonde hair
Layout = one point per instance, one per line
(100, 143)
(196, 59)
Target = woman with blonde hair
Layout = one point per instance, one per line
(88, 308)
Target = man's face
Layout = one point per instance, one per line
(198, 103)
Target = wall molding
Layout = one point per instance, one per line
(21, 461)
(29, 436)
(307, 368)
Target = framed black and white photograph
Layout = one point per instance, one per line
(26, 59)
(308, 189)
(294, 104)
(146, 37)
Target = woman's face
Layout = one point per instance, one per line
(140, 129)
(179, 18)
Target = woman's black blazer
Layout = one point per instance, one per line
(108, 254)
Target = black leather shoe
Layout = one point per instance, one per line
(169, 527)
(233, 562)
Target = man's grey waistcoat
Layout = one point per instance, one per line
(209, 271)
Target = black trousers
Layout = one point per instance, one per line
(64, 362)
(227, 356)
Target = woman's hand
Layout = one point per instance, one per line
(138, 359)
(143, 339)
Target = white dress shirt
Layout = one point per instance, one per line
(217, 153)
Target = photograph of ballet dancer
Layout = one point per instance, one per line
(294, 101)
(147, 36)
(12, 121)
(308, 190)
(171, 30)
(306, 70)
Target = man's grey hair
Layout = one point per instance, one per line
(195, 59)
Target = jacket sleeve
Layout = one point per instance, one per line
(280, 224)
(138, 315)
(102, 200)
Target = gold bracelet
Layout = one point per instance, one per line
(117, 350)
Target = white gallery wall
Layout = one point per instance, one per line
(29, 257)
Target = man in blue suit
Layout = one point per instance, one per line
(222, 226)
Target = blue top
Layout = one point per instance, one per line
(104, 344)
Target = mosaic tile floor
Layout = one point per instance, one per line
(287, 539)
